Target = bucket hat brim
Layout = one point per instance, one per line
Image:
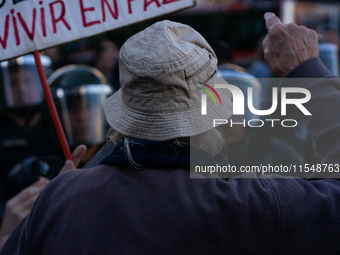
(163, 126)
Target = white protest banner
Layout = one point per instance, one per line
(30, 25)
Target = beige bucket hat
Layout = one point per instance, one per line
(161, 69)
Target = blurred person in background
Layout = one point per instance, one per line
(57, 59)
(106, 60)
(79, 92)
(26, 128)
(259, 68)
(29, 150)
(329, 53)
(225, 61)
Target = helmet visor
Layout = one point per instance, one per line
(21, 85)
(82, 114)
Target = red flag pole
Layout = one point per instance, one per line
(51, 106)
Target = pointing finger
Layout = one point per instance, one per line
(271, 20)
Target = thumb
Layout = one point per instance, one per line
(77, 154)
(69, 165)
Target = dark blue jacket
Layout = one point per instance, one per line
(123, 210)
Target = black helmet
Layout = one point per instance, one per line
(20, 85)
(79, 93)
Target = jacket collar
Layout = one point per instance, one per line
(148, 153)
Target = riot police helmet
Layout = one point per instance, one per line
(20, 86)
(79, 92)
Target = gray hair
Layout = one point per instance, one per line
(211, 141)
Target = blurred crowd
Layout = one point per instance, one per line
(30, 151)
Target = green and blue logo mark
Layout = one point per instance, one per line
(204, 97)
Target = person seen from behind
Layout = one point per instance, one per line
(141, 199)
